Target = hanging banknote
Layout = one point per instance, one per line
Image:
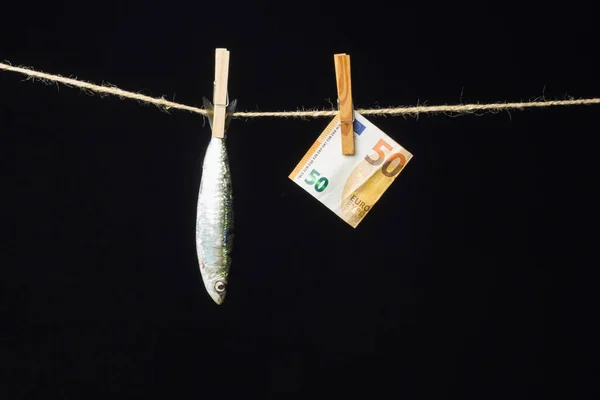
(351, 185)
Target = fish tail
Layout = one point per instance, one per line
(208, 106)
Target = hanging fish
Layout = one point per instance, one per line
(214, 218)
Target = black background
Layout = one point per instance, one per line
(469, 277)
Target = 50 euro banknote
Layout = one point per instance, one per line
(350, 185)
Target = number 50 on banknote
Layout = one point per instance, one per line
(350, 185)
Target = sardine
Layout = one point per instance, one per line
(214, 218)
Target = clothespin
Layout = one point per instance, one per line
(345, 104)
(220, 98)
(220, 113)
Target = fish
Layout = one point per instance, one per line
(214, 217)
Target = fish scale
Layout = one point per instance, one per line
(214, 218)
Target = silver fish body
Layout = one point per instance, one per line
(214, 220)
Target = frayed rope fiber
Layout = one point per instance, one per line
(410, 110)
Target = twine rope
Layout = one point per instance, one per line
(108, 89)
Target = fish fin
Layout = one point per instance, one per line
(208, 106)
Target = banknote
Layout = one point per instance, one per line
(350, 185)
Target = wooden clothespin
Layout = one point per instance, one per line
(344, 88)
(220, 98)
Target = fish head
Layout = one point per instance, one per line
(216, 286)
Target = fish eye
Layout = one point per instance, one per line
(220, 286)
